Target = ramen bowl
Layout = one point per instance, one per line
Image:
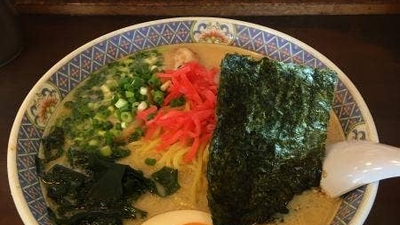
(350, 111)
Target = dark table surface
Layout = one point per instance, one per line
(366, 48)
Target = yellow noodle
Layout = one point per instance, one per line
(151, 145)
(169, 153)
(196, 182)
(177, 159)
(173, 152)
(140, 150)
(135, 144)
(199, 167)
(165, 157)
(173, 156)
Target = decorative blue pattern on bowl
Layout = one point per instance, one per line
(118, 44)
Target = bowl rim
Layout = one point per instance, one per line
(13, 179)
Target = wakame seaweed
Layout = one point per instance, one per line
(101, 197)
(53, 144)
(269, 139)
(104, 194)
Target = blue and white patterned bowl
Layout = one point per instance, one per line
(349, 107)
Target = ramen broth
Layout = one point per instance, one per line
(310, 208)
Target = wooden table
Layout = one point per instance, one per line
(366, 48)
(210, 7)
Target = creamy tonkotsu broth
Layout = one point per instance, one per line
(310, 208)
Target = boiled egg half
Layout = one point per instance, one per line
(180, 217)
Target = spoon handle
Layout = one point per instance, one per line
(351, 164)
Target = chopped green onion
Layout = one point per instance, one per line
(129, 94)
(93, 142)
(69, 104)
(151, 60)
(137, 82)
(135, 106)
(106, 91)
(111, 108)
(139, 132)
(143, 90)
(180, 101)
(142, 106)
(150, 161)
(165, 85)
(127, 61)
(126, 117)
(123, 69)
(132, 100)
(121, 103)
(154, 81)
(106, 151)
(108, 103)
(125, 108)
(124, 125)
(158, 97)
(153, 68)
(118, 126)
(109, 138)
(100, 116)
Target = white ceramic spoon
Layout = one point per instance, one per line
(351, 164)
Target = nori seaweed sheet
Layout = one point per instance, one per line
(269, 140)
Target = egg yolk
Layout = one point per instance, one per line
(194, 223)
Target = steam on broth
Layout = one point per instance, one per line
(310, 208)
